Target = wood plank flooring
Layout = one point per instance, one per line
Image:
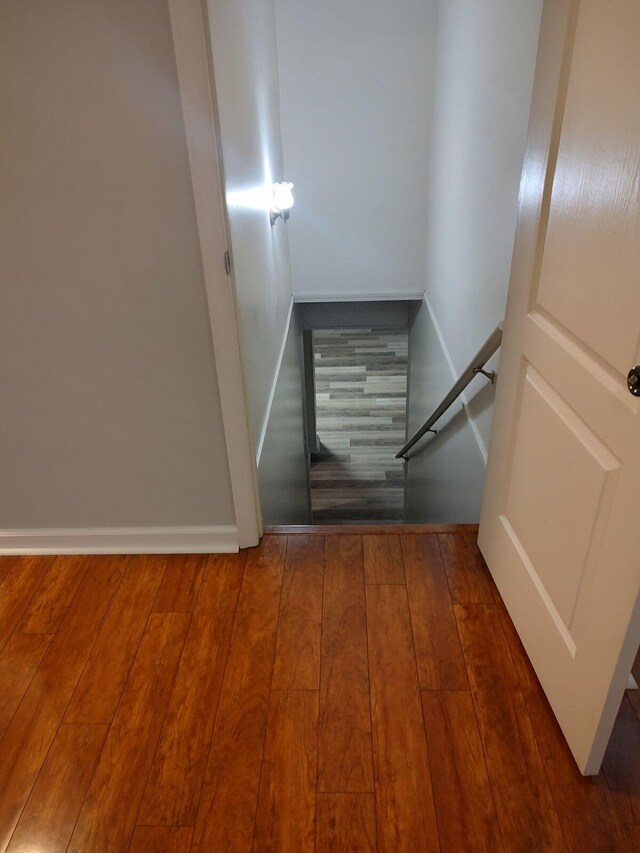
(361, 398)
(327, 692)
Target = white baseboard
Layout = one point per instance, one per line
(417, 296)
(121, 540)
(274, 383)
(465, 402)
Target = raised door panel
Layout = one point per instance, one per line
(564, 471)
(588, 278)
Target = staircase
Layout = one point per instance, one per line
(361, 391)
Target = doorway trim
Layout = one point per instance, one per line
(197, 97)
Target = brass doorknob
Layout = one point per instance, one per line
(633, 380)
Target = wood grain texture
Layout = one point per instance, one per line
(469, 579)
(51, 812)
(485, 649)
(382, 559)
(17, 590)
(245, 775)
(298, 644)
(525, 807)
(161, 839)
(98, 693)
(286, 807)
(31, 731)
(463, 798)
(633, 834)
(525, 672)
(583, 803)
(226, 816)
(405, 812)
(175, 781)
(180, 583)
(345, 823)
(6, 564)
(344, 749)
(441, 664)
(523, 799)
(19, 661)
(53, 596)
(108, 816)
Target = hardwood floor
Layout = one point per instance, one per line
(361, 398)
(338, 692)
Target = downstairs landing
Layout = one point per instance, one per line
(361, 402)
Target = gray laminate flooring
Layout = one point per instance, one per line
(361, 391)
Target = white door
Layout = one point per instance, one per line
(560, 524)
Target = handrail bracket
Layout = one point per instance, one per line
(483, 355)
(490, 374)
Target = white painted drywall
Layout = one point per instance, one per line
(110, 407)
(245, 67)
(283, 472)
(485, 62)
(355, 85)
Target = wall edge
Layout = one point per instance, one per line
(274, 384)
(455, 376)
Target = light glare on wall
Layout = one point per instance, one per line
(251, 198)
(282, 201)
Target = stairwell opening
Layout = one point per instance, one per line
(355, 381)
(360, 422)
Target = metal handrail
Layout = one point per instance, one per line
(476, 366)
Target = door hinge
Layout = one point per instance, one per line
(227, 262)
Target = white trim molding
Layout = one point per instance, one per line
(121, 540)
(455, 376)
(274, 383)
(189, 29)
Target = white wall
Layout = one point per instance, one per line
(246, 78)
(355, 83)
(485, 62)
(110, 407)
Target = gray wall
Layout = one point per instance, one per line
(392, 314)
(110, 408)
(356, 78)
(283, 472)
(246, 77)
(485, 62)
(444, 479)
